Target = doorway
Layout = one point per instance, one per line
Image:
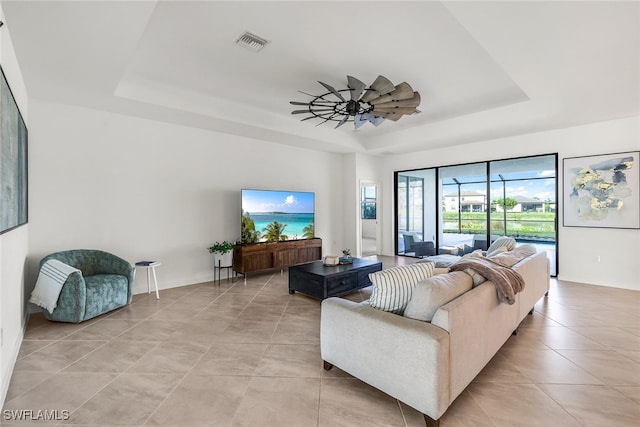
(369, 233)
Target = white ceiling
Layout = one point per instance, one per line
(484, 69)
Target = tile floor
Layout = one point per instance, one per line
(236, 355)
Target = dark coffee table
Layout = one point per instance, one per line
(320, 281)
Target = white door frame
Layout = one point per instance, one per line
(369, 183)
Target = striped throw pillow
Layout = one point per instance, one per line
(393, 287)
(501, 244)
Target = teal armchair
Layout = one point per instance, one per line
(104, 283)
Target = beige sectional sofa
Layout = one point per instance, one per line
(428, 364)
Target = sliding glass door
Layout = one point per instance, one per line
(523, 202)
(463, 212)
(415, 207)
(461, 208)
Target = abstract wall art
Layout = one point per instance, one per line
(602, 191)
(13, 161)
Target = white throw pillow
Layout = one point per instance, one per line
(509, 243)
(434, 292)
(392, 288)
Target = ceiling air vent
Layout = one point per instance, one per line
(251, 41)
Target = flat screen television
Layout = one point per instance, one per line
(269, 215)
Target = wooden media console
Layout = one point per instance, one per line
(255, 257)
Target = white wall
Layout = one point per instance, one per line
(149, 190)
(13, 244)
(619, 250)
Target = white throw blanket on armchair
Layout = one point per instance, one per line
(53, 274)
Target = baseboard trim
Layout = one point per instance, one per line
(13, 358)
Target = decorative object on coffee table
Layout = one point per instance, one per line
(320, 281)
(346, 257)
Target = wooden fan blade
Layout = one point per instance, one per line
(333, 91)
(402, 91)
(380, 86)
(411, 102)
(394, 110)
(356, 87)
(393, 117)
(298, 103)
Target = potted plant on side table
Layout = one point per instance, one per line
(222, 253)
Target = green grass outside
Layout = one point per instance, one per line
(539, 225)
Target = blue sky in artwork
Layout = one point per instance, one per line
(255, 201)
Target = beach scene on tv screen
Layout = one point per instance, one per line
(279, 215)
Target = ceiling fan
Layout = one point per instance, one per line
(382, 100)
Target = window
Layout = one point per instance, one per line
(477, 202)
(368, 202)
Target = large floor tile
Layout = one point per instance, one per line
(114, 356)
(201, 401)
(352, 403)
(23, 381)
(465, 411)
(31, 346)
(253, 331)
(290, 360)
(151, 330)
(62, 391)
(547, 366)
(276, 402)
(611, 337)
(231, 359)
(57, 356)
(559, 338)
(595, 406)
(519, 404)
(130, 399)
(169, 358)
(501, 370)
(103, 330)
(609, 367)
(632, 392)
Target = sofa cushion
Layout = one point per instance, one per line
(429, 294)
(392, 288)
(508, 243)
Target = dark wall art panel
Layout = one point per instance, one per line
(13, 161)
